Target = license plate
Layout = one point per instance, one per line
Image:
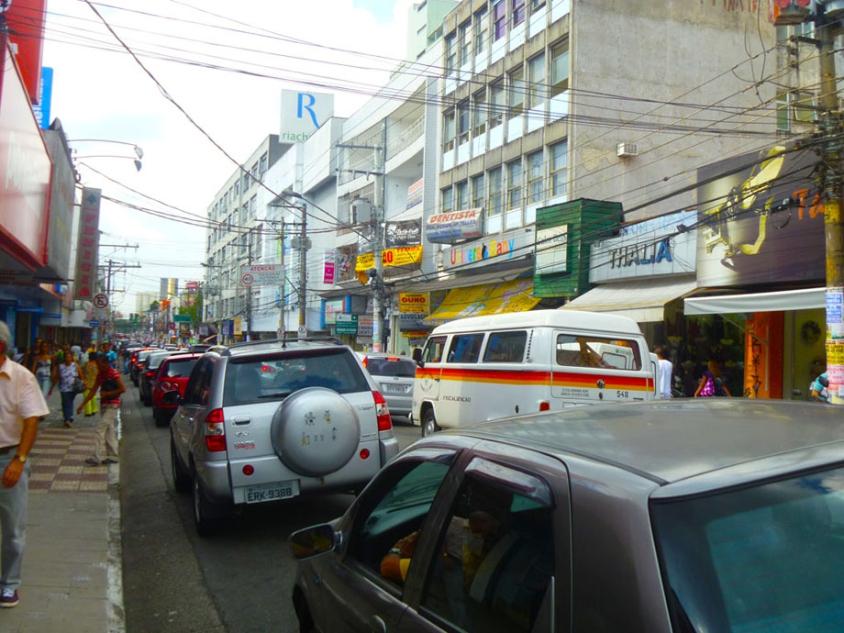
(395, 388)
(272, 492)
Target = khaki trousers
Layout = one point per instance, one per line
(106, 433)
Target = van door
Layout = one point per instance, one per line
(427, 385)
(596, 367)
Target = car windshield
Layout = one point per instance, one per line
(180, 368)
(156, 359)
(766, 558)
(402, 368)
(268, 378)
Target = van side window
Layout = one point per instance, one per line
(434, 349)
(594, 351)
(465, 348)
(505, 347)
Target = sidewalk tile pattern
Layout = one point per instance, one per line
(58, 462)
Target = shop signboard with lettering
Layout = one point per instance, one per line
(509, 245)
(346, 324)
(660, 246)
(333, 307)
(303, 113)
(448, 228)
(414, 303)
(87, 246)
(404, 233)
(258, 275)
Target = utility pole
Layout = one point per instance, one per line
(828, 27)
(282, 320)
(378, 215)
(303, 270)
(248, 237)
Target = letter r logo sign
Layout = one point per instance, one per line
(301, 106)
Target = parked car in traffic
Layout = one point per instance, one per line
(148, 374)
(655, 517)
(394, 376)
(173, 375)
(136, 363)
(268, 421)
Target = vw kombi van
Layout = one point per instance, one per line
(483, 368)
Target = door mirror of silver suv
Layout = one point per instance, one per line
(314, 540)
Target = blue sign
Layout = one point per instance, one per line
(94, 323)
(45, 98)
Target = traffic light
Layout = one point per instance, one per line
(786, 12)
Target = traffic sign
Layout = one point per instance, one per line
(181, 318)
(100, 300)
(346, 324)
(94, 323)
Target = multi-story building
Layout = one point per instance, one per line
(425, 25)
(234, 237)
(549, 101)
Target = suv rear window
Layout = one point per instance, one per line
(276, 376)
(400, 367)
(180, 368)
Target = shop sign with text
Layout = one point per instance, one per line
(661, 246)
(448, 228)
(400, 256)
(509, 245)
(414, 303)
(87, 246)
(333, 307)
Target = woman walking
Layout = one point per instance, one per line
(67, 375)
(42, 367)
(92, 406)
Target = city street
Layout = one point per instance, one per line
(238, 581)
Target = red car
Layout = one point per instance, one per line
(172, 375)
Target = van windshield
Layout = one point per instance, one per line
(766, 558)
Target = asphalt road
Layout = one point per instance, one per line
(237, 581)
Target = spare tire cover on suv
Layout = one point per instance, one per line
(315, 431)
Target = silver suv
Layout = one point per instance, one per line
(267, 421)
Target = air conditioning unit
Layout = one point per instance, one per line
(361, 211)
(626, 150)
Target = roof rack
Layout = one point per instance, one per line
(319, 338)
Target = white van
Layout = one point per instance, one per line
(483, 368)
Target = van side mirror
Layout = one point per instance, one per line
(417, 356)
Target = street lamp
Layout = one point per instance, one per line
(137, 161)
(138, 151)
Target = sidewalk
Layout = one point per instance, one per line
(72, 576)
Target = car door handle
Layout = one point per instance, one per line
(377, 625)
(240, 421)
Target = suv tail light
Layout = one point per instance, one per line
(215, 431)
(385, 422)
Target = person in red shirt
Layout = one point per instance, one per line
(110, 385)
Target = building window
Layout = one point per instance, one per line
(535, 168)
(253, 207)
(478, 192)
(479, 113)
(494, 206)
(514, 184)
(465, 37)
(536, 80)
(518, 12)
(559, 163)
(462, 195)
(499, 20)
(536, 5)
(463, 122)
(496, 103)
(517, 92)
(448, 131)
(264, 164)
(447, 200)
(450, 53)
(480, 31)
(559, 68)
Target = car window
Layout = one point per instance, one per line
(393, 509)
(505, 347)
(496, 555)
(391, 366)
(199, 386)
(465, 348)
(156, 359)
(599, 352)
(180, 368)
(434, 349)
(274, 377)
(765, 558)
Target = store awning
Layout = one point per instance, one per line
(803, 299)
(641, 300)
(438, 282)
(510, 296)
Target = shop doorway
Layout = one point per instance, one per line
(805, 354)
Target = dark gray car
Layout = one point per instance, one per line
(700, 515)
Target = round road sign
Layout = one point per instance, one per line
(100, 300)
(247, 279)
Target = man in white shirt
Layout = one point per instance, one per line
(21, 406)
(665, 371)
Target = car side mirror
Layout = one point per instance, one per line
(172, 397)
(417, 357)
(314, 540)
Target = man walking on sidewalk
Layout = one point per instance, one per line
(21, 405)
(110, 385)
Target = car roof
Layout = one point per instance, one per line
(672, 440)
(181, 356)
(257, 348)
(569, 319)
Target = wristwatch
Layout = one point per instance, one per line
(21, 458)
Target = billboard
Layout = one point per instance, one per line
(87, 249)
(302, 114)
(405, 233)
(257, 275)
(62, 193)
(24, 172)
(45, 99)
(761, 220)
(26, 19)
(447, 228)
